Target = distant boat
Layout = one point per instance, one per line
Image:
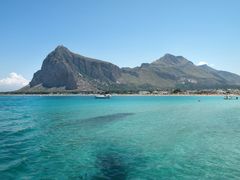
(231, 98)
(103, 96)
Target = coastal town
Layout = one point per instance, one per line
(192, 92)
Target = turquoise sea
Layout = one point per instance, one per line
(74, 137)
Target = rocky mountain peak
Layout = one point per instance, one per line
(61, 48)
(171, 60)
(65, 69)
(61, 51)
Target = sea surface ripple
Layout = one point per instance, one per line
(74, 137)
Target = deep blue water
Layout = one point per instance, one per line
(74, 137)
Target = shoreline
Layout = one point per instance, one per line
(121, 95)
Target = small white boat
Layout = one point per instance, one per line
(103, 96)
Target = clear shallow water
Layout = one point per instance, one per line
(120, 138)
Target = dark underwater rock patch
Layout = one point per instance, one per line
(111, 166)
(107, 118)
(94, 121)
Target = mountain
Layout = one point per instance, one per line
(177, 72)
(65, 71)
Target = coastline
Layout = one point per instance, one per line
(122, 95)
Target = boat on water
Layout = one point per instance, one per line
(230, 98)
(103, 96)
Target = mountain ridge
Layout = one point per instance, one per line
(63, 70)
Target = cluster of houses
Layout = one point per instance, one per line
(192, 92)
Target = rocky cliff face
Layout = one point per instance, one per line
(63, 70)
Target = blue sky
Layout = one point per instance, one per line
(124, 32)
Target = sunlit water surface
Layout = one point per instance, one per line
(76, 137)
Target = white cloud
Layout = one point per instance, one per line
(204, 63)
(13, 82)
